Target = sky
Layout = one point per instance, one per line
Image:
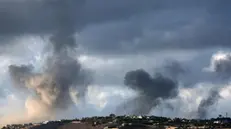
(187, 42)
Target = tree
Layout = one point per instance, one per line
(220, 116)
(112, 115)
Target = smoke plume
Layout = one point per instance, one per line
(221, 64)
(62, 78)
(173, 69)
(208, 102)
(151, 89)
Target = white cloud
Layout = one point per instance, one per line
(217, 57)
(102, 96)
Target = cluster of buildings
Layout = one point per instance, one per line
(19, 126)
(129, 122)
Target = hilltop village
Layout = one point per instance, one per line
(128, 122)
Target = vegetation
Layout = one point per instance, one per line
(123, 122)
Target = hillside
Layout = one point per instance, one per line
(127, 122)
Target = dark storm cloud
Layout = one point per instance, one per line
(122, 26)
(199, 26)
(44, 16)
(208, 102)
(151, 90)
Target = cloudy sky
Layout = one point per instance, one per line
(114, 37)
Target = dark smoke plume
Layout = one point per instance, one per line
(151, 90)
(154, 87)
(63, 80)
(208, 102)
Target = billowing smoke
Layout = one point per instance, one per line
(221, 64)
(52, 87)
(151, 90)
(154, 87)
(173, 69)
(63, 81)
(154, 90)
(208, 102)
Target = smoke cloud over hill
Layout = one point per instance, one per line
(151, 90)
